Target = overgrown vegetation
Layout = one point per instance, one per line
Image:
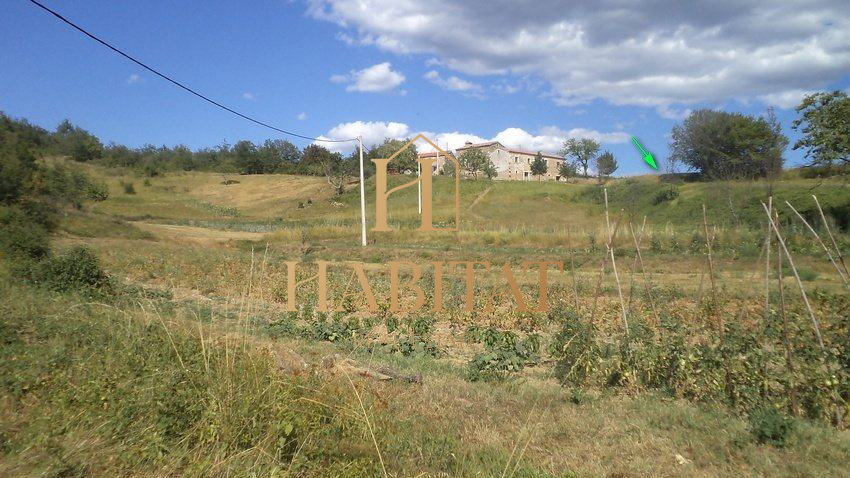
(170, 364)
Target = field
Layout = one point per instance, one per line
(194, 367)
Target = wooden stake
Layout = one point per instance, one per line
(719, 317)
(573, 270)
(799, 282)
(789, 361)
(826, 249)
(767, 262)
(645, 278)
(831, 237)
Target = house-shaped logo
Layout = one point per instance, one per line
(426, 183)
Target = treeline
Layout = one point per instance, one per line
(244, 157)
(33, 194)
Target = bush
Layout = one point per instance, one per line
(573, 348)
(22, 238)
(75, 269)
(97, 190)
(770, 427)
(504, 354)
(129, 188)
(667, 193)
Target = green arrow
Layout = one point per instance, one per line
(647, 156)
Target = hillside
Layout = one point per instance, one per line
(189, 365)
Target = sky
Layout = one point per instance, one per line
(528, 73)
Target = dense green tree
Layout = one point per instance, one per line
(247, 159)
(183, 157)
(77, 143)
(313, 160)
(606, 164)
(474, 161)
(583, 151)
(278, 155)
(405, 162)
(825, 124)
(721, 145)
(538, 165)
(567, 169)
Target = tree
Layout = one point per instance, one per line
(825, 124)
(474, 161)
(721, 145)
(489, 169)
(583, 151)
(77, 143)
(405, 162)
(313, 159)
(339, 170)
(448, 168)
(538, 165)
(606, 164)
(247, 159)
(567, 169)
(278, 155)
(183, 157)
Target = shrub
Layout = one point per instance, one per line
(655, 243)
(22, 238)
(667, 193)
(129, 188)
(770, 427)
(75, 269)
(505, 354)
(97, 191)
(573, 348)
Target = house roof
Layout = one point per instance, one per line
(480, 145)
(432, 154)
(534, 153)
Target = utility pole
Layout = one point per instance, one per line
(362, 196)
(419, 184)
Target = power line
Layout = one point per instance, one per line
(181, 85)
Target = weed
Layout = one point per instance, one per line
(770, 427)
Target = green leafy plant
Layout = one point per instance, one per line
(770, 427)
(75, 269)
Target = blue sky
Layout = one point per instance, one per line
(527, 73)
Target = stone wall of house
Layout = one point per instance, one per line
(517, 166)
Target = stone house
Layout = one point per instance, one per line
(516, 163)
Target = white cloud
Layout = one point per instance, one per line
(134, 79)
(374, 79)
(248, 96)
(453, 83)
(785, 99)
(373, 132)
(638, 53)
(301, 116)
(548, 139)
(669, 112)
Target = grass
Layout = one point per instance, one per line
(117, 389)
